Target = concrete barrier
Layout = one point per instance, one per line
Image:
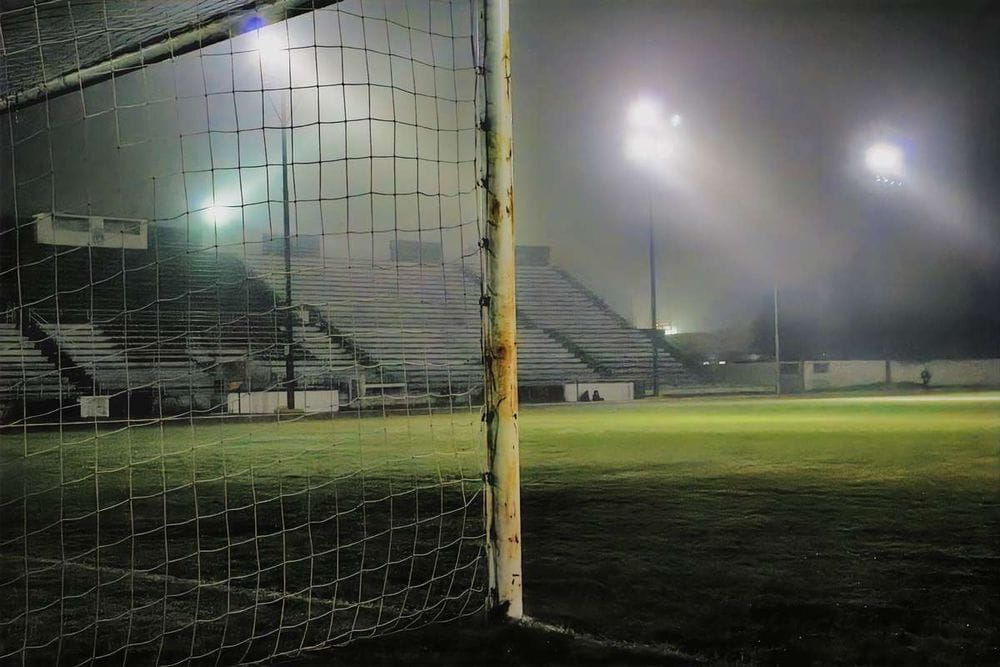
(269, 402)
(610, 391)
(819, 375)
(948, 372)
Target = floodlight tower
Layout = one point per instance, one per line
(649, 143)
(885, 161)
(272, 53)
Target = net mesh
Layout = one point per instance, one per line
(240, 345)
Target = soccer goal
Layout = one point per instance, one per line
(258, 369)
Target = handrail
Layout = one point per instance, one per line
(34, 315)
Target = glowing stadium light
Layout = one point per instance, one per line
(668, 328)
(218, 214)
(650, 138)
(645, 113)
(885, 160)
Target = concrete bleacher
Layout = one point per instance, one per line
(556, 302)
(170, 321)
(196, 352)
(119, 360)
(193, 324)
(418, 323)
(25, 372)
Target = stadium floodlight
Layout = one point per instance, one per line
(650, 141)
(218, 214)
(885, 161)
(645, 112)
(650, 138)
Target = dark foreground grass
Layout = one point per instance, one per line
(223, 542)
(851, 530)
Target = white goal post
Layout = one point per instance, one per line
(238, 424)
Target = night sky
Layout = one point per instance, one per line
(779, 101)
(767, 185)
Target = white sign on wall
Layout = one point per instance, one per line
(94, 406)
(91, 230)
(269, 402)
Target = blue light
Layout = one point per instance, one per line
(254, 23)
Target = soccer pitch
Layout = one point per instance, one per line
(858, 529)
(836, 529)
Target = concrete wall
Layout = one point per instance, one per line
(944, 372)
(756, 374)
(610, 391)
(841, 374)
(269, 402)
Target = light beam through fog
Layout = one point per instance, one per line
(825, 150)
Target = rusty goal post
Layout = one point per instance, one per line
(258, 338)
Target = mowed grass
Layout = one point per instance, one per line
(226, 540)
(860, 529)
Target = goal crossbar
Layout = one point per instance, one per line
(232, 18)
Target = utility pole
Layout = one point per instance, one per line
(652, 291)
(289, 317)
(777, 347)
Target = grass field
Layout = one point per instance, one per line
(860, 529)
(854, 529)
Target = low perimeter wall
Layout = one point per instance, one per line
(818, 375)
(944, 372)
(610, 391)
(839, 374)
(269, 402)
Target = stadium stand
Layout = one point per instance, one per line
(25, 373)
(564, 308)
(182, 327)
(420, 322)
(177, 327)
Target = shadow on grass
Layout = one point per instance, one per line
(464, 645)
(771, 569)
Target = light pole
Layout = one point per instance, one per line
(886, 162)
(777, 347)
(649, 143)
(289, 323)
(270, 50)
(652, 290)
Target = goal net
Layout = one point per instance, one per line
(241, 360)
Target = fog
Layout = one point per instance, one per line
(766, 186)
(779, 101)
(377, 102)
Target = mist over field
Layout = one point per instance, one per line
(769, 187)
